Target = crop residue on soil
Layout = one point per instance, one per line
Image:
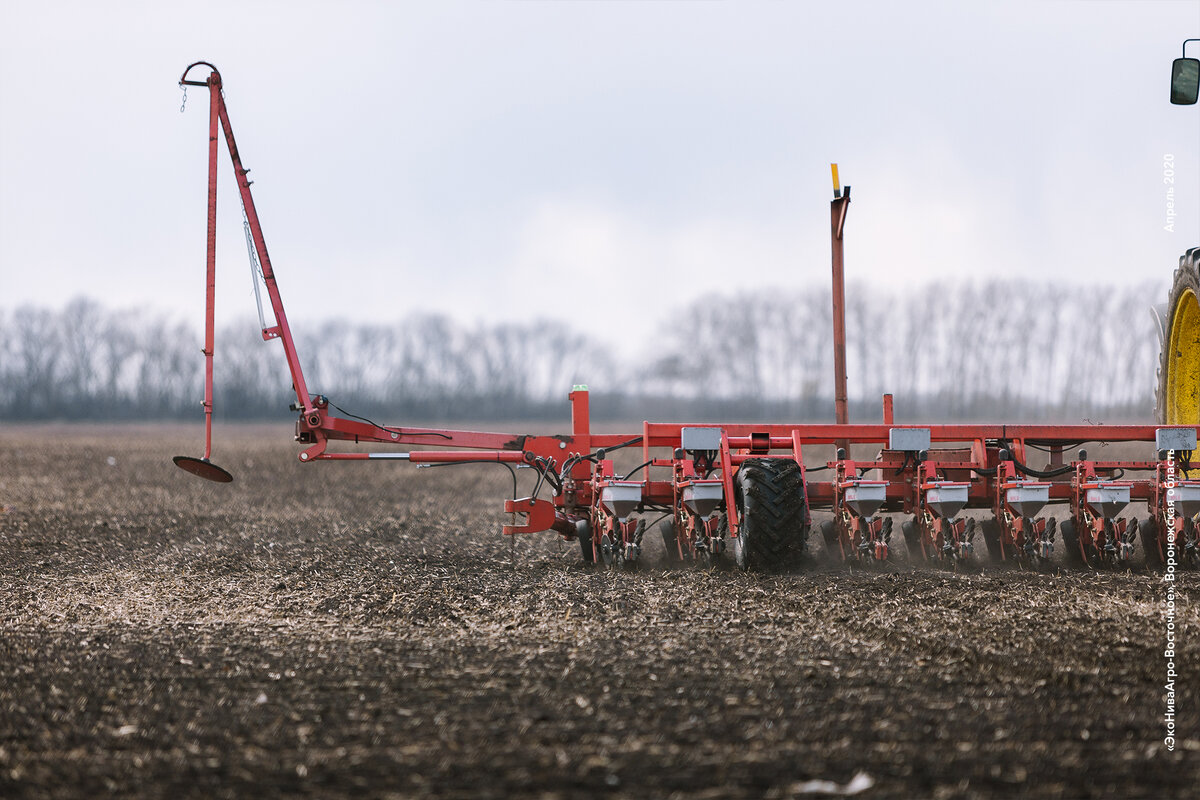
(364, 629)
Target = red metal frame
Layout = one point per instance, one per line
(210, 289)
(988, 458)
(218, 114)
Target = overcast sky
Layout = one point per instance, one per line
(593, 161)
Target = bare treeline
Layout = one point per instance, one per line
(960, 351)
(1001, 349)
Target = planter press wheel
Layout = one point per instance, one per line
(991, 539)
(670, 540)
(1080, 550)
(587, 548)
(833, 546)
(913, 541)
(1070, 539)
(1151, 546)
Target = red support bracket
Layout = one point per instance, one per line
(539, 515)
(727, 479)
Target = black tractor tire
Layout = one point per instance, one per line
(773, 532)
(1148, 534)
(1178, 387)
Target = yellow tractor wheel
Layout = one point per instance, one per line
(1178, 396)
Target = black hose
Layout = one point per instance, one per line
(1061, 446)
(546, 468)
(660, 519)
(400, 431)
(1036, 473)
(537, 487)
(638, 468)
(593, 457)
(573, 460)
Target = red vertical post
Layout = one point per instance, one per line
(887, 409)
(580, 416)
(581, 429)
(210, 295)
(837, 221)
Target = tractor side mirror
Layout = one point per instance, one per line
(1185, 81)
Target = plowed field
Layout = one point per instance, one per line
(363, 630)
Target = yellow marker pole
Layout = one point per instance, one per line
(837, 185)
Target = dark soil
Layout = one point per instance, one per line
(354, 629)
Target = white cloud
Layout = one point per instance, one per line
(619, 276)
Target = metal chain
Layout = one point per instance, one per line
(183, 104)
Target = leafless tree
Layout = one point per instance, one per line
(952, 350)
